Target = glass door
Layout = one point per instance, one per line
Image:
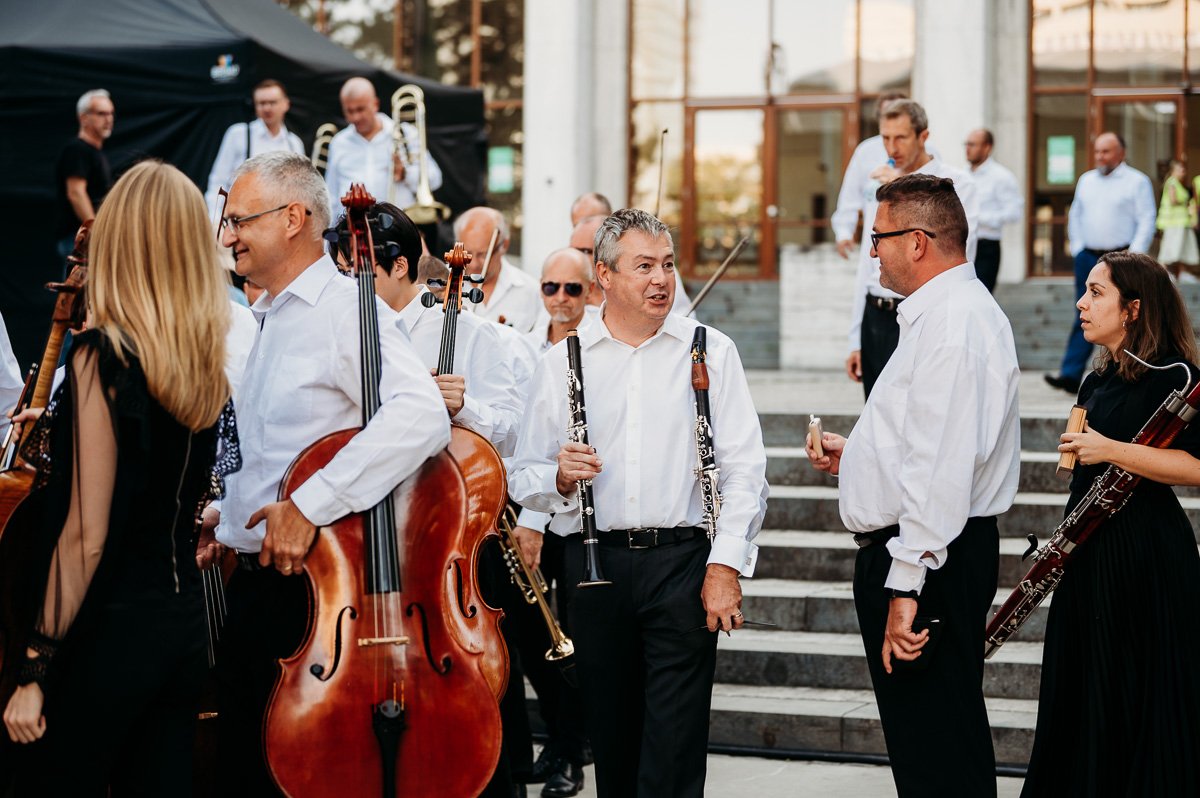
(809, 158)
(1152, 129)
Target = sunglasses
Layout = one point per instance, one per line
(551, 288)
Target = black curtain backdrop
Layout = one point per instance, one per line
(160, 61)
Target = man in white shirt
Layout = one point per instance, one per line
(873, 329)
(243, 141)
(1000, 203)
(365, 152)
(510, 295)
(566, 282)
(932, 461)
(1113, 209)
(302, 380)
(643, 637)
(583, 239)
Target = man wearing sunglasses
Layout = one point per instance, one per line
(932, 461)
(567, 283)
(904, 129)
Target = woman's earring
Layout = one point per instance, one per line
(1125, 325)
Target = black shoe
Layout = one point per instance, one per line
(545, 767)
(1068, 384)
(565, 781)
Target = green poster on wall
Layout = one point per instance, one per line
(501, 161)
(1060, 160)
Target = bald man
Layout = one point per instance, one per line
(510, 296)
(590, 204)
(566, 281)
(362, 152)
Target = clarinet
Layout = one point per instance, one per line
(577, 433)
(706, 470)
(1108, 494)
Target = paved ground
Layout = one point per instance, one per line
(739, 777)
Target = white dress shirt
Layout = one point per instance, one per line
(302, 381)
(1113, 210)
(516, 296)
(492, 404)
(233, 152)
(940, 438)
(12, 381)
(243, 328)
(867, 280)
(1000, 199)
(641, 421)
(858, 188)
(354, 159)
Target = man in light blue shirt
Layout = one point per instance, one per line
(1113, 210)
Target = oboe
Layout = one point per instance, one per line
(577, 433)
(706, 457)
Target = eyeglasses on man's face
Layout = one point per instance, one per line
(235, 223)
(877, 237)
(550, 288)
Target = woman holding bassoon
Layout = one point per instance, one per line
(104, 628)
(1119, 710)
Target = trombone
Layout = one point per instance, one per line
(320, 153)
(533, 587)
(408, 105)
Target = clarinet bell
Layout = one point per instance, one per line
(593, 576)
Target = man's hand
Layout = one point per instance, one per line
(845, 247)
(208, 550)
(885, 173)
(398, 170)
(722, 598)
(854, 365)
(453, 388)
(898, 637)
(289, 536)
(575, 462)
(833, 445)
(529, 543)
(23, 716)
(26, 416)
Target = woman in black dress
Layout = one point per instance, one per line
(1119, 711)
(108, 690)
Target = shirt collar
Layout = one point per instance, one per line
(384, 132)
(308, 286)
(593, 331)
(410, 314)
(928, 295)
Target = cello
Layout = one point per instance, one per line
(487, 487)
(382, 698)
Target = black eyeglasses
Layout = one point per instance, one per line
(877, 237)
(551, 288)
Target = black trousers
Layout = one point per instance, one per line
(646, 681)
(880, 335)
(122, 711)
(987, 262)
(268, 613)
(934, 720)
(561, 707)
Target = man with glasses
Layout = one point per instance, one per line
(510, 295)
(302, 380)
(904, 129)
(566, 288)
(932, 461)
(83, 176)
(244, 140)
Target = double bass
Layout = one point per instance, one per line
(383, 698)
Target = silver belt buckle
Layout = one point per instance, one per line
(629, 534)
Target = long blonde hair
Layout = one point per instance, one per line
(157, 291)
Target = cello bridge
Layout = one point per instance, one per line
(401, 640)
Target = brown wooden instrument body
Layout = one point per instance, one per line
(318, 728)
(487, 495)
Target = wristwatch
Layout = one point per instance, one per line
(909, 594)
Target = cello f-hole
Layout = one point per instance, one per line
(319, 670)
(442, 668)
(467, 609)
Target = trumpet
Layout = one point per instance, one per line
(408, 105)
(320, 153)
(533, 587)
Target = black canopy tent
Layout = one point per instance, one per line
(180, 72)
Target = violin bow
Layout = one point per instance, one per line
(717, 275)
(662, 140)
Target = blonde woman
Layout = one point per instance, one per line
(108, 690)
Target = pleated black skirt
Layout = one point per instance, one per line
(1119, 710)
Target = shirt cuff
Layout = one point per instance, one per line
(738, 553)
(905, 576)
(317, 502)
(531, 519)
(469, 415)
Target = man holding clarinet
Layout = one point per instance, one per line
(654, 587)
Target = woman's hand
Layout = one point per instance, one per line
(23, 717)
(1089, 446)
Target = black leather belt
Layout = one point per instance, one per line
(1100, 253)
(887, 303)
(877, 536)
(248, 561)
(648, 538)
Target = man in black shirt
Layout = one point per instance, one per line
(83, 176)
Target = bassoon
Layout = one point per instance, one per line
(707, 472)
(1108, 494)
